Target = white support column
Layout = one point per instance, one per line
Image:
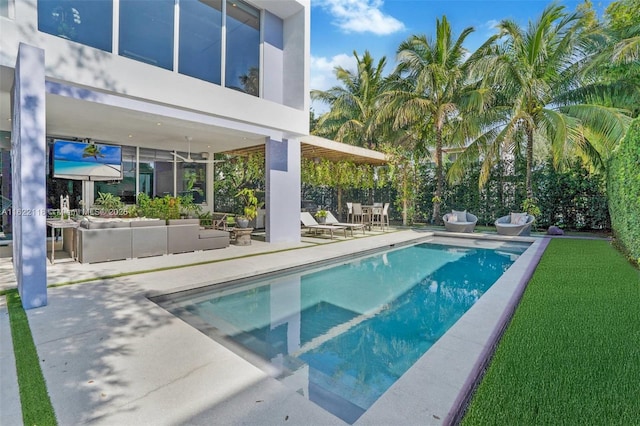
(211, 173)
(28, 152)
(282, 168)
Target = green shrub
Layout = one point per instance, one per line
(623, 185)
(166, 207)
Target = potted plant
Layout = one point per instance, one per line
(321, 216)
(249, 203)
(109, 205)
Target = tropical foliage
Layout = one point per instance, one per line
(542, 89)
(557, 94)
(353, 117)
(234, 174)
(428, 91)
(624, 189)
(165, 208)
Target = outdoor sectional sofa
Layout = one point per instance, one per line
(102, 239)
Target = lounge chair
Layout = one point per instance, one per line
(331, 220)
(312, 226)
(510, 224)
(459, 221)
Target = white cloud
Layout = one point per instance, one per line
(491, 27)
(322, 70)
(361, 16)
(323, 75)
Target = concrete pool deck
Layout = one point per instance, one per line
(111, 356)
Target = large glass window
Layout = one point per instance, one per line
(156, 172)
(5, 186)
(192, 178)
(7, 8)
(201, 39)
(87, 22)
(146, 31)
(243, 48)
(57, 187)
(125, 188)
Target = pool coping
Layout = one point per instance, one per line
(115, 357)
(446, 411)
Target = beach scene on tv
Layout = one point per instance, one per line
(79, 160)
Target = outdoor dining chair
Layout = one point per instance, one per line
(350, 212)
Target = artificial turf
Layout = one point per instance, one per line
(571, 354)
(36, 405)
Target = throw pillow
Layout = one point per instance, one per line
(461, 216)
(518, 218)
(452, 218)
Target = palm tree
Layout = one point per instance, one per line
(352, 118)
(430, 91)
(544, 94)
(92, 150)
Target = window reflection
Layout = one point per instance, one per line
(192, 179)
(86, 22)
(6, 8)
(146, 31)
(156, 172)
(243, 48)
(200, 39)
(125, 188)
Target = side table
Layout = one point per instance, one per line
(60, 224)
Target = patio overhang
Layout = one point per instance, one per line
(315, 147)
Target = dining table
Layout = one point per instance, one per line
(369, 213)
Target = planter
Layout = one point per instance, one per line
(242, 223)
(242, 237)
(322, 220)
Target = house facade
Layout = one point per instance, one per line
(169, 83)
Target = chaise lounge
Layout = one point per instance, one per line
(312, 226)
(331, 220)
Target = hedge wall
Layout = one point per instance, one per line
(623, 187)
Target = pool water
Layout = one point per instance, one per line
(342, 335)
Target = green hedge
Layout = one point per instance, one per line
(623, 187)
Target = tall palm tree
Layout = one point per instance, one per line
(352, 118)
(430, 91)
(545, 95)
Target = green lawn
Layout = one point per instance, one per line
(571, 354)
(36, 405)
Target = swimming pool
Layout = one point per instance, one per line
(341, 335)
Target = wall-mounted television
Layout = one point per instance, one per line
(86, 161)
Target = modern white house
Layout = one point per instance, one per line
(164, 82)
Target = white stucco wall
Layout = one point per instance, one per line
(283, 190)
(28, 178)
(113, 73)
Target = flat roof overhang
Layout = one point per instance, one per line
(84, 113)
(313, 147)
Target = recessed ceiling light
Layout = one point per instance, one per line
(8, 119)
(158, 124)
(130, 136)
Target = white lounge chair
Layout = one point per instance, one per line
(312, 226)
(331, 220)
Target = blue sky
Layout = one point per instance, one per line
(338, 27)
